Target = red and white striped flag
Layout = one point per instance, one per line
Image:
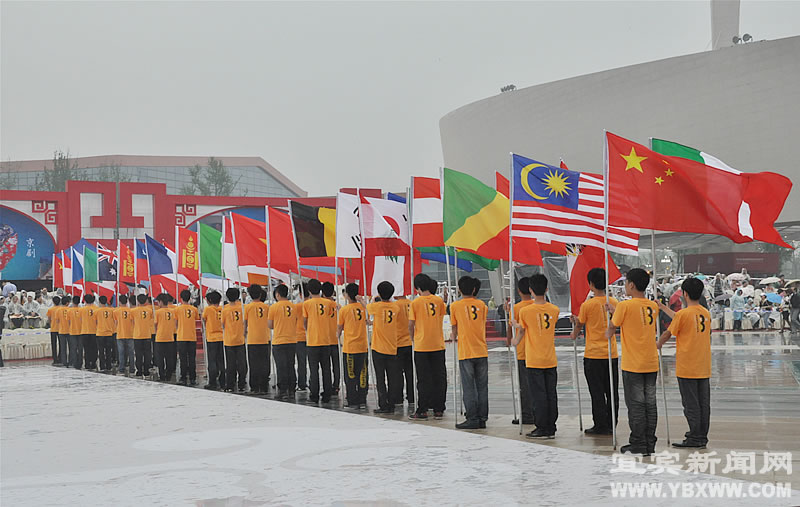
(554, 204)
(426, 212)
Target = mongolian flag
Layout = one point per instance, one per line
(127, 272)
(315, 230)
(188, 257)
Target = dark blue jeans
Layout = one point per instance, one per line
(125, 353)
(475, 387)
(542, 382)
(640, 397)
(696, 398)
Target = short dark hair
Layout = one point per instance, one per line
(186, 295)
(639, 277)
(693, 288)
(88, 299)
(76, 300)
(466, 285)
(351, 289)
(103, 300)
(141, 298)
(213, 297)
(56, 300)
(123, 299)
(282, 291)
(304, 288)
(254, 291)
(263, 296)
(476, 286)
(314, 286)
(164, 298)
(385, 290)
(422, 282)
(232, 294)
(524, 285)
(538, 283)
(433, 285)
(328, 289)
(597, 277)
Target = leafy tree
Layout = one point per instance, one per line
(213, 179)
(112, 173)
(63, 170)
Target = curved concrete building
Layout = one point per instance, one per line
(739, 103)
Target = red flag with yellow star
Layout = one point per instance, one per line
(654, 191)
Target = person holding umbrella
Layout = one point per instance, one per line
(738, 302)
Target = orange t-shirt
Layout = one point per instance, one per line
(469, 314)
(143, 322)
(53, 315)
(301, 326)
(403, 309)
(518, 308)
(427, 312)
(88, 319)
(124, 317)
(187, 316)
(63, 320)
(384, 326)
(212, 318)
(233, 324)
(594, 316)
(637, 319)
(75, 315)
(539, 322)
(353, 319)
(105, 321)
(257, 314)
(691, 328)
(165, 325)
(283, 315)
(319, 311)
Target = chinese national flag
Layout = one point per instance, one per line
(654, 191)
(282, 247)
(188, 259)
(580, 261)
(58, 274)
(127, 264)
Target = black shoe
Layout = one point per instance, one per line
(383, 411)
(211, 387)
(686, 444)
(313, 400)
(526, 421)
(438, 416)
(326, 399)
(192, 383)
(539, 434)
(597, 431)
(418, 416)
(228, 390)
(482, 425)
(183, 382)
(468, 425)
(629, 449)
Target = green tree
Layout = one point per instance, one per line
(114, 173)
(9, 178)
(64, 169)
(213, 179)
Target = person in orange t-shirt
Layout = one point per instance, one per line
(142, 332)
(352, 330)
(637, 318)
(301, 352)
(316, 315)
(405, 351)
(692, 330)
(525, 394)
(536, 324)
(212, 323)
(165, 332)
(256, 317)
(186, 316)
(89, 332)
(124, 317)
(282, 320)
(425, 327)
(54, 315)
(63, 331)
(468, 319)
(384, 348)
(106, 327)
(233, 340)
(592, 316)
(328, 291)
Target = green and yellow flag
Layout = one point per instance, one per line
(475, 216)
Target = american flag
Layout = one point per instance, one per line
(554, 204)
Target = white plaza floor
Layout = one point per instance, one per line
(75, 438)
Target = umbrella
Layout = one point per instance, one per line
(791, 282)
(769, 280)
(773, 298)
(723, 297)
(736, 276)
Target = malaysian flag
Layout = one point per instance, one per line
(106, 264)
(554, 204)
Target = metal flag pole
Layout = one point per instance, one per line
(577, 384)
(222, 256)
(614, 393)
(175, 265)
(202, 305)
(409, 204)
(340, 357)
(449, 301)
(364, 284)
(455, 280)
(268, 245)
(511, 287)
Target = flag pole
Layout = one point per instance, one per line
(410, 206)
(342, 369)
(455, 280)
(270, 295)
(150, 276)
(614, 393)
(222, 256)
(202, 305)
(238, 271)
(511, 284)
(116, 284)
(447, 269)
(175, 267)
(364, 283)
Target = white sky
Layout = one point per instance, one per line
(332, 94)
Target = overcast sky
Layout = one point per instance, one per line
(332, 94)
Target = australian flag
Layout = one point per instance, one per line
(106, 264)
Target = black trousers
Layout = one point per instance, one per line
(284, 367)
(54, 347)
(105, 348)
(301, 353)
(336, 367)
(75, 351)
(89, 342)
(62, 349)
(143, 355)
(216, 364)
(235, 366)
(431, 381)
(542, 382)
(187, 353)
(165, 359)
(696, 398)
(258, 356)
(405, 363)
(319, 358)
(387, 379)
(356, 378)
(525, 394)
(640, 398)
(596, 372)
